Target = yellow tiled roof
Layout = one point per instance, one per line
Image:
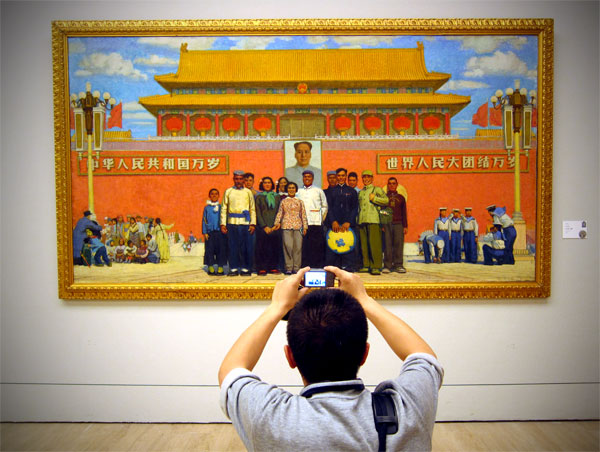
(488, 133)
(113, 135)
(266, 101)
(315, 67)
(117, 135)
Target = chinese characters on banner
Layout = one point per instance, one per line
(172, 164)
(455, 162)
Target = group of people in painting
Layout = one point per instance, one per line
(137, 240)
(458, 233)
(282, 227)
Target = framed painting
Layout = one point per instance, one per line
(431, 140)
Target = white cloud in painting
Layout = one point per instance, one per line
(142, 123)
(358, 42)
(256, 42)
(500, 63)
(463, 84)
(487, 44)
(133, 106)
(155, 60)
(108, 64)
(317, 39)
(76, 46)
(194, 43)
(139, 115)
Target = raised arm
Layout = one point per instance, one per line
(247, 350)
(402, 339)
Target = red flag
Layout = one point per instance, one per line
(116, 117)
(481, 117)
(496, 117)
(72, 118)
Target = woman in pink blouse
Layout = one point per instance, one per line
(291, 217)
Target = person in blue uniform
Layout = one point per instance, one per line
(499, 216)
(495, 247)
(455, 236)
(93, 247)
(470, 232)
(342, 214)
(433, 247)
(215, 242)
(88, 221)
(441, 227)
(332, 183)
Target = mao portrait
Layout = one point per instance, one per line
(301, 156)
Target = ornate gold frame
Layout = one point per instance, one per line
(542, 28)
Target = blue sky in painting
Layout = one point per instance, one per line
(126, 66)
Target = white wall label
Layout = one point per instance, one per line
(575, 229)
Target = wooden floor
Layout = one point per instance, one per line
(447, 437)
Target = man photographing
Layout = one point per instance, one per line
(327, 342)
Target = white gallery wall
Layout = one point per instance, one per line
(157, 361)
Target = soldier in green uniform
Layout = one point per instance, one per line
(370, 200)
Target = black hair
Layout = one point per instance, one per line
(353, 174)
(392, 178)
(247, 175)
(327, 333)
(341, 169)
(308, 143)
(292, 183)
(261, 186)
(210, 191)
(278, 186)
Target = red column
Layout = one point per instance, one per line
(216, 125)
(187, 125)
(357, 120)
(416, 123)
(387, 123)
(277, 124)
(246, 125)
(447, 124)
(327, 125)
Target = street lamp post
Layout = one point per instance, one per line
(517, 113)
(88, 102)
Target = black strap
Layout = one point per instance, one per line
(385, 416)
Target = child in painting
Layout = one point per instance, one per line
(291, 217)
(141, 254)
(130, 250)
(215, 242)
(268, 241)
(153, 254)
(133, 232)
(110, 249)
(97, 250)
(86, 252)
(120, 251)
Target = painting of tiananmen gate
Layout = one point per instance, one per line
(193, 109)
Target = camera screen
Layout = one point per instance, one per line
(315, 279)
